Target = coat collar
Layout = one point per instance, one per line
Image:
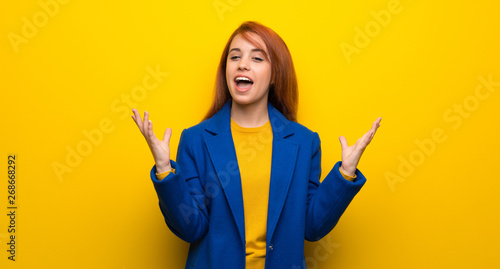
(221, 121)
(223, 155)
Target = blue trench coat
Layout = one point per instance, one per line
(202, 202)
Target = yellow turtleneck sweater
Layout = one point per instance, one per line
(254, 152)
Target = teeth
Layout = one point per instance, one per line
(243, 78)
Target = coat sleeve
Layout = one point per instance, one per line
(181, 195)
(326, 202)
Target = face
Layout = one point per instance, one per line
(248, 71)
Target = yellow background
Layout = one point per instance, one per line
(71, 75)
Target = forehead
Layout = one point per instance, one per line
(250, 42)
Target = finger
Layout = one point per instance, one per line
(375, 126)
(167, 135)
(137, 118)
(363, 141)
(136, 113)
(145, 123)
(151, 134)
(343, 142)
(368, 136)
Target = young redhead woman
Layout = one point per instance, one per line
(245, 189)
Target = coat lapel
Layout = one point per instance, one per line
(282, 167)
(223, 155)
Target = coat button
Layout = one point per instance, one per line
(271, 247)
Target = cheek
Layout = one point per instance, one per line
(268, 73)
(228, 75)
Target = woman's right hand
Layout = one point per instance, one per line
(160, 149)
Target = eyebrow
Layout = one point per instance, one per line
(257, 49)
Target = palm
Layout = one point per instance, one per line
(352, 154)
(159, 148)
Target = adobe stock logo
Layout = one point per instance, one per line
(427, 146)
(222, 6)
(322, 251)
(31, 27)
(373, 28)
(94, 137)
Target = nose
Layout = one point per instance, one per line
(243, 64)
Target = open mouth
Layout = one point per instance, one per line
(243, 82)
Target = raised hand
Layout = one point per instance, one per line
(352, 154)
(159, 149)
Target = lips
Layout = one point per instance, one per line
(243, 83)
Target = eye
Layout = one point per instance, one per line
(258, 59)
(234, 57)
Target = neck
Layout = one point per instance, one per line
(252, 115)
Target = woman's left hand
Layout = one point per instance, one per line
(352, 154)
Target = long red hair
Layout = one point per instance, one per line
(283, 91)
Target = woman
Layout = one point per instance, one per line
(245, 189)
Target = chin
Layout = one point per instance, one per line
(246, 98)
(242, 101)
